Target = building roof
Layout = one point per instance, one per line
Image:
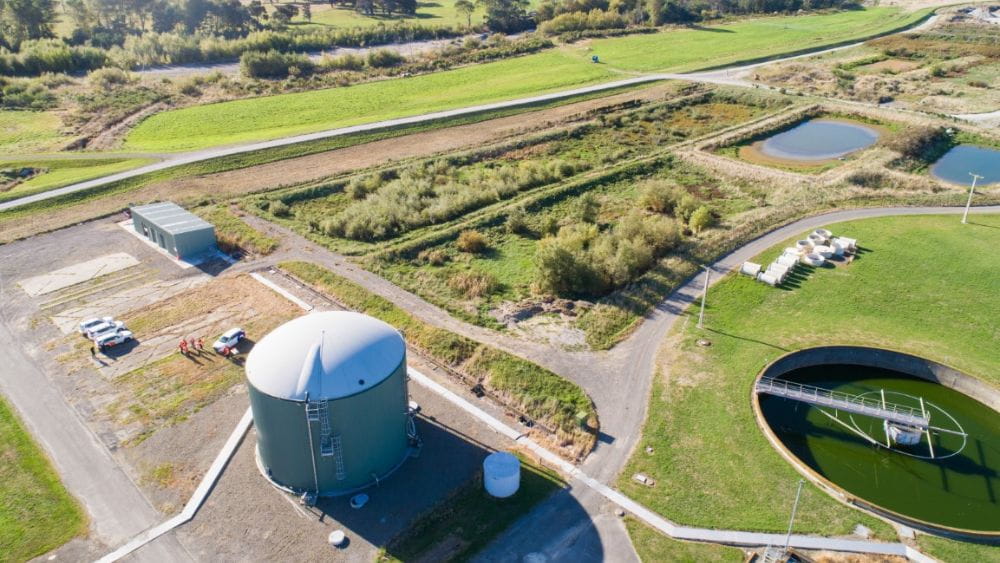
(171, 217)
(325, 356)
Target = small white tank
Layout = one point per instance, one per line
(769, 279)
(804, 245)
(823, 233)
(788, 260)
(816, 240)
(813, 259)
(838, 249)
(824, 251)
(501, 474)
(750, 269)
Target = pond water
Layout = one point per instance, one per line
(958, 489)
(819, 139)
(957, 163)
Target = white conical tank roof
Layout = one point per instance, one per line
(325, 356)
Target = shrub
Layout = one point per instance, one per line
(700, 219)
(686, 205)
(582, 261)
(432, 257)
(517, 221)
(383, 58)
(473, 284)
(279, 208)
(472, 242)
(274, 64)
(581, 21)
(347, 61)
(660, 196)
(107, 78)
(587, 208)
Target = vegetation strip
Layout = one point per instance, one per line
(527, 387)
(471, 517)
(37, 514)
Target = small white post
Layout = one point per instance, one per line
(704, 292)
(972, 190)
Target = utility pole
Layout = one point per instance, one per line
(972, 190)
(791, 521)
(704, 292)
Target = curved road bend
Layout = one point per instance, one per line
(542, 531)
(724, 76)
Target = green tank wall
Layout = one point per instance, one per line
(371, 426)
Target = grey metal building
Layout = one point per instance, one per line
(330, 403)
(177, 231)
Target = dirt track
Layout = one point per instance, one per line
(320, 165)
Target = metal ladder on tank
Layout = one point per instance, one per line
(329, 444)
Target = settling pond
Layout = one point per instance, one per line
(957, 163)
(819, 139)
(959, 489)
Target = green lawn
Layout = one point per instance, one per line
(36, 513)
(693, 49)
(63, 172)
(951, 551)
(29, 131)
(652, 546)
(289, 114)
(924, 285)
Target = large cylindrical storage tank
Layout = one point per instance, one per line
(329, 400)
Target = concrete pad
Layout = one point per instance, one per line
(77, 273)
(125, 301)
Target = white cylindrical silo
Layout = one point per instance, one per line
(501, 474)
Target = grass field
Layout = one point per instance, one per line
(29, 131)
(289, 114)
(951, 551)
(698, 48)
(36, 513)
(700, 402)
(63, 172)
(652, 546)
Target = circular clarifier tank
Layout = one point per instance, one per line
(945, 477)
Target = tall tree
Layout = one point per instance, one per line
(26, 19)
(506, 16)
(465, 8)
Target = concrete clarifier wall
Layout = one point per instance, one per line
(909, 364)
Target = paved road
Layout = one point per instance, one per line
(726, 76)
(117, 509)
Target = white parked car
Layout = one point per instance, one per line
(99, 330)
(113, 339)
(91, 323)
(229, 340)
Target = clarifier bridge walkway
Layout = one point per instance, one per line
(856, 404)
